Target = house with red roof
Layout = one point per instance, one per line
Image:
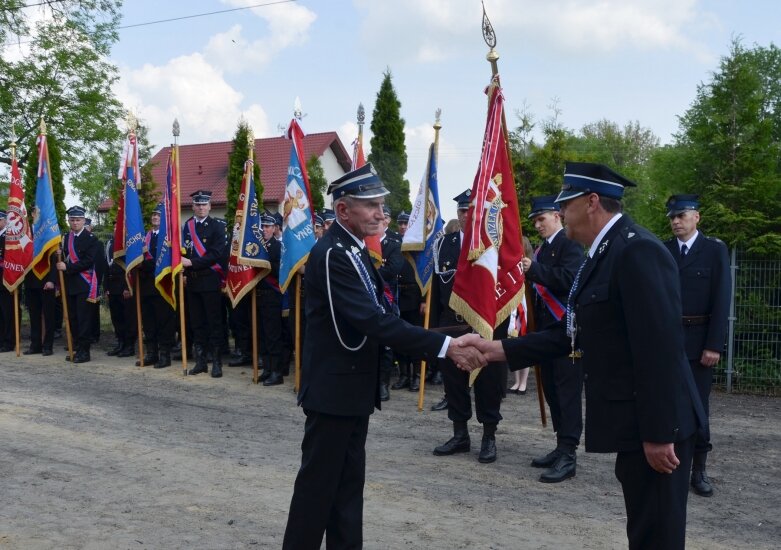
(205, 166)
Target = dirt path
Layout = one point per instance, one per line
(106, 455)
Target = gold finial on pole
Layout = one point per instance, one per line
(490, 39)
(175, 130)
(132, 123)
(43, 126)
(251, 143)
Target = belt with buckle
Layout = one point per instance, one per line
(692, 320)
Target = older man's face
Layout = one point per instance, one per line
(363, 217)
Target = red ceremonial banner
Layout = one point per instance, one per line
(489, 278)
(18, 237)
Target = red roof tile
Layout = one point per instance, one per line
(205, 165)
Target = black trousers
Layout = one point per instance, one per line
(7, 329)
(328, 492)
(562, 384)
(270, 325)
(703, 379)
(41, 304)
(159, 322)
(413, 318)
(488, 389)
(123, 317)
(241, 320)
(81, 316)
(204, 311)
(655, 503)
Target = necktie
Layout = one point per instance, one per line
(684, 250)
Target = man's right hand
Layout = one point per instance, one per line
(465, 355)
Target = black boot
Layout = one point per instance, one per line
(700, 482)
(265, 364)
(459, 443)
(441, 406)
(116, 349)
(563, 468)
(150, 356)
(164, 359)
(128, 349)
(240, 360)
(488, 444)
(217, 365)
(546, 461)
(414, 381)
(200, 361)
(275, 376)
(403, 381)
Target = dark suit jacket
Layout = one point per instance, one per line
(638, 382)
(201, 277)
(114, 281)
(449, 248)
(146, 279)
(337, 380)
(392, 262)
(554, 268)
(88, 249)
(705, 290)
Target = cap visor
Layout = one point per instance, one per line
(567, 195)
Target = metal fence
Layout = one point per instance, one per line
(753, 362)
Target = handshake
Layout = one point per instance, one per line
(471, 351)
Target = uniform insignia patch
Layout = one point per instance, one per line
(602, 247)
(630, 235)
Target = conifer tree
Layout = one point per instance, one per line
(236, 159)
(317, 182)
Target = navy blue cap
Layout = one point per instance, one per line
(581, 178)
(386, 210)
(201, 196)
(319, 221)
(542, 204)
(463, 199)
(158, 209)
(2, 214)
(76, 212)
(403, 217)
(267, 218)
(278, 219)
(681, 203)
(363, 183)
(328, 215)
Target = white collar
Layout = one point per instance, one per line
(601, 235)
(688, 243)
(550, 239)
(356, 239)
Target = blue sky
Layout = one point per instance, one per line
(621, 60)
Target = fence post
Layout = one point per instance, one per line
(732, 318)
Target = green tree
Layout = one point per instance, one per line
(64, 78)
(389, 154)
(236, 160)
(31, 178)
(317, 182)
(730, 139)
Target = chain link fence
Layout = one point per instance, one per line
(753, 362)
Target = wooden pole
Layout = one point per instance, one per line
(16, 322)
(297, 355)
(182, 325)
(65, 316)
(139, 325)
(255, 350)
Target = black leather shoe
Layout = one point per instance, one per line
(150, 358)
(436, 380)
(401, 383)
(563, 468)
(217, 369)
(414, 384)
(47, 351)
(127, 351)
(265, 375)
(81, 357)
(384, 393)
(441, 406)
(456, 444)
(701, 483)
(31, 351)
(115, 350)
(274, 379)
(546, 461)
(240, 361)
(487, 451)
(198, 369)
(165, 360)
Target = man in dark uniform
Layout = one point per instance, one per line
(392, 263)
(40, 295)
(121, 306)
(328, 218)
(100, 268)
(159, 318)
(270, 308)
(622, 318)
(81, 248)
(204, 241)
(489, 385)
(551, 273)
(348, 321)
(318, 226)
(7, 327)
(703, 268)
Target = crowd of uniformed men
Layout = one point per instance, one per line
(88, 267)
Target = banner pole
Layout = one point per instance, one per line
(138, 320)
(255, 350)
(16, 322)
(297, 349)
(65, 316)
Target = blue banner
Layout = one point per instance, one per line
(46, 230)
(133, 218)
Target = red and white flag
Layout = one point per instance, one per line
(18, 237)
(489, 278)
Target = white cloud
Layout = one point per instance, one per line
(580, 27)
(288, 25)
(192, 90)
